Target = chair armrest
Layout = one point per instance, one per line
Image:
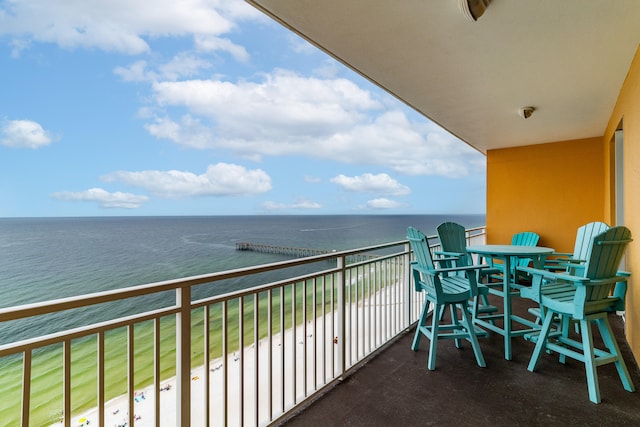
(565, 261)
(450, 254)
(549, 275)
(538, 276)
(561, 254)
(435, 271)
(463, 268)
(421, 269)
(446, 259)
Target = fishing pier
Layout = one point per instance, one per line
(280, 250)
(294, 252)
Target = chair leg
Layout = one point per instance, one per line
(541, 343)
(610, 342)
(431, 365)
(455, 322)
(421, 323)
(565, 324)
(475, 305)
(589, 361)
(472, 335)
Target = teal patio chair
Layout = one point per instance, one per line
(570, 263)
(573, 263)
(585, 299)
(524, 238)
(453, 242)
(443, 288)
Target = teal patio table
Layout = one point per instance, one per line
(507, 253)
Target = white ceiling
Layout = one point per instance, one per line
(566, 58)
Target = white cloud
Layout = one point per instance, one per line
(213, 43)
(369, 183)
(405, 147)
(184, 64)
(23, 134)
(136, 72)
(117, 25)
(302, 204)
(284, 107)
(190, 131)
(221, 179)
(104, 198)
(383, 203)
(283, 114)
(288, 114)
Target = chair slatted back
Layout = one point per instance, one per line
(524, 238)
(453, 239)
(603, 261)
(584, 238)
(422, 254)
(607, 250)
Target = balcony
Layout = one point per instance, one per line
(328, 338)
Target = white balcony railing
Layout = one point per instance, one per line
(241, 358)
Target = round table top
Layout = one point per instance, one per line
(509, 250)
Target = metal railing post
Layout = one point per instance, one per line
(407, 284)
(26, 387)
(341, 285)
(183, 356)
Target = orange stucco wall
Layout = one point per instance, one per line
(627, 111)
(551, 189)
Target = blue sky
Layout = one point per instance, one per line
(205, 107)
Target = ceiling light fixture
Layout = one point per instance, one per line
(526, 112)
(473, 9)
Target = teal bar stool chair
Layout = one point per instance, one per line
(453, 244)
(585, 299)
(443, 288)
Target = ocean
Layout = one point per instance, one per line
(46, 258)
(50, 258)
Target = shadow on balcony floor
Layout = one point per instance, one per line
(395, 388)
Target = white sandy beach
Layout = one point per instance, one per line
(116, 410)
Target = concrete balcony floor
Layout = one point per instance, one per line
(395, 388)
